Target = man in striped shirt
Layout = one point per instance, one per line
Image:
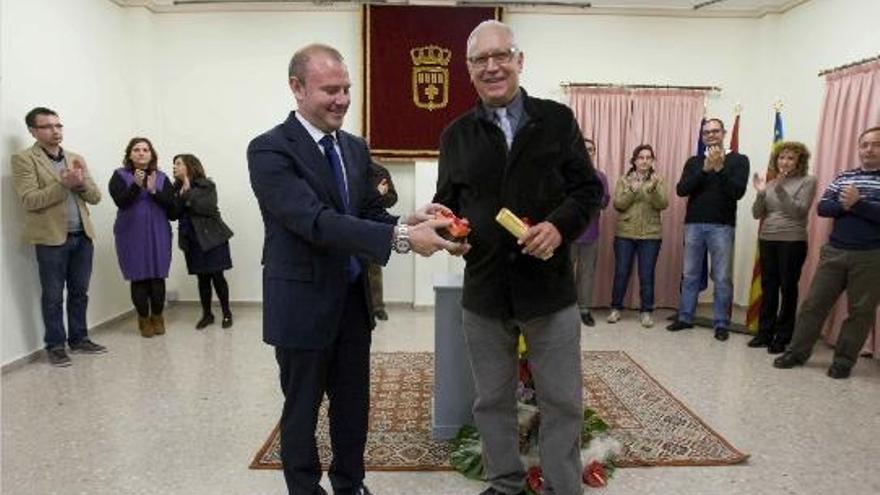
(848, 262)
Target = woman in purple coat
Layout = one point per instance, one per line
(146, 202)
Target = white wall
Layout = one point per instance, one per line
(207, 83)
(67, 56)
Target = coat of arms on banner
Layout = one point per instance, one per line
(416, 80)
(430, 76)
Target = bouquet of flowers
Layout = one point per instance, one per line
(598, 455)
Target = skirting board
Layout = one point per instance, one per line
(35, 355)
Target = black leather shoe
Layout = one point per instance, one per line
(776, 347)
(759, 341)
(787, 361)
(381, 315)
(678, 325)
(839, 372)
(721, 334)
(58, 356)
(205, 321)
(587, 319)
(361, 490)
(227, 321)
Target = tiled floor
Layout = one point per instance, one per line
(184, 413)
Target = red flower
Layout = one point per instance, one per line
(535, 479)
(525, 374)
(594, 475)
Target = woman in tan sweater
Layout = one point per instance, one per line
(639, 197)
(782, 204)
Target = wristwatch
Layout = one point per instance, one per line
(400, 239)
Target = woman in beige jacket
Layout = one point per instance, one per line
(639, 197)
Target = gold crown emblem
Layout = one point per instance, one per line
(430, 55)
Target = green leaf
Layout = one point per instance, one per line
(592, 426)
(467, 453)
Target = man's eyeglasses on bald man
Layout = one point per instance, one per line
(500, 57)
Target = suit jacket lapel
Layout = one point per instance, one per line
(352, 173)
(306, 151)
(44, 162)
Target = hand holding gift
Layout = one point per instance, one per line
(458, 229)
(539, 240)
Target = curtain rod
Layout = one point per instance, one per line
(847, 66)
(568, 84)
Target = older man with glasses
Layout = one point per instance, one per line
(712, 184)
(527, 154)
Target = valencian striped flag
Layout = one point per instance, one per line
(753, 316)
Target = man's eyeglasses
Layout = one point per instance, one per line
(708, 132)
(49, 126)
(500, 57)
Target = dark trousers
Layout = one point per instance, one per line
(148, 296)
(781, 264)
(625, 252)
(840, 270)
(69, 264)
(206, 280)
(342, 371)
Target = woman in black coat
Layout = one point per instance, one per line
(202, 235)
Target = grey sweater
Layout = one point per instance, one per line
(784, 207)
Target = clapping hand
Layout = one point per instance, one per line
(635, 181)
(151, 183)
(849, 196)
(714, 160)
(382, 187)
(759, 182)
(139, 177)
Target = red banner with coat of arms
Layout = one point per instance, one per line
(416, 76)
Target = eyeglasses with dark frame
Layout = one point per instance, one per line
(500, 57)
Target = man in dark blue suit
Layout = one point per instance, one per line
(323, 223)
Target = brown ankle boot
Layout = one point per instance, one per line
(158, 322)
(145, 326)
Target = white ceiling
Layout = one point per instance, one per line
(683, 8)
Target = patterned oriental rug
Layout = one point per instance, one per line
(655, 428)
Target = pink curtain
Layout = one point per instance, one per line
(852, 104)
(619, 120)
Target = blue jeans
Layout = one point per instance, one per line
(717, 239)
(625, 251)
(68, 264)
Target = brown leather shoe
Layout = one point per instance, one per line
(158, 322)
(145, 326)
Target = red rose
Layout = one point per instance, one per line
(594, 475)
(535, 479)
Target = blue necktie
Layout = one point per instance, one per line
(504, 123)
(354, 268)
